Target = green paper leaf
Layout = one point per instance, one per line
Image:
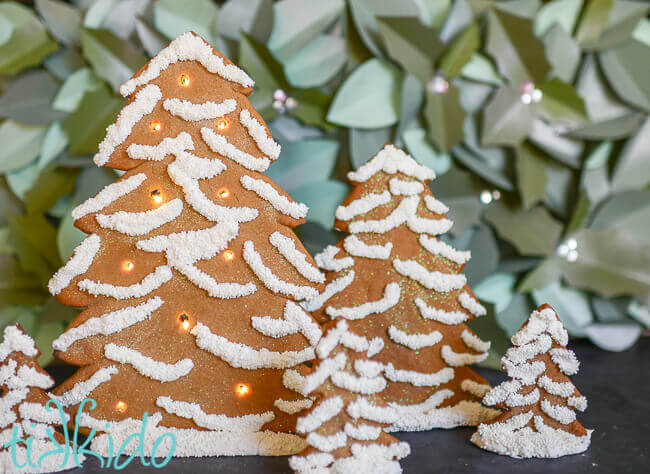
(445, 116)
(562, 13)
(28, 98)
(517, 52)
(21, 180)
(304, 162)
(258, 61)
(86, 127)
(364, 144)
(532, 232)
(640, 313)
(315, 237)
(563, 53)
(152, 41)
(17, 286)
(49, 188)
(487, 329)
(622, 20)
(45, 335)
(420, 147)
(593, 20)
(595, 180)
(411, 44)
(498, 289)
(322, 198)
(113, 59)
(369, 98)
(601, 103)
(74, 88)
(613, 337)
(21, 144)
(479, 68)
(254, 17)
(64, 62)
(34, 239)
(485, 257)
(460, 51)
(26, 41)
(68, 236)
(546, 273)
(561, 103)
(317, 62)
(433, 12)
(570, 305)
(626, 69)
(627, 211)
(62, 20)
(312, 107)
(482, 168)
(531, 175)
(460, 16)
(610, 262)
(619, 127)
(173, 18)
(298, 22)
(412, 98)
(506, 120)
(632, 170)
(561, 148)
(514, 316)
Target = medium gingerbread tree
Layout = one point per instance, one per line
(539, 399)
(395, 281)
(343, 428)
(191, 270)
(24, 410)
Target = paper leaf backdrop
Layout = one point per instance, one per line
(533, 114)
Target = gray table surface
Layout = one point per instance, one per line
(617, 386)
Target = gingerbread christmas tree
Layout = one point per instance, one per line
(343, 428)
(190, 271)
(539, 399)
(396, 282)
(24, 410)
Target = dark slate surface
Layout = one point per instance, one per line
(617, 386)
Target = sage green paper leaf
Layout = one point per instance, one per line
(487, 328)
(485, 257)
(460, 16)
(546, 273)
(74, 88)
(21, 144)
(420, 147)
(315, 237)
(62, 20)
(532, 232)
(445, 117)
(626, 68)
(627, 211)
(632, 170)
(595, 178)
(612, 129)
(593, 20)
(506, 120)
(316, 63)
(623, 18)
(298, 22)
(460, 51)
(259, 63)
(562, 13)
(152, 41)
(173, 18)
(562, 148)
(531, 175)
(614, 337)
(481, 168)
(254, 17)
(563, 53)
(433, 12)
(561, 103)
(304, 162)
(34, 240)
(639, 312)
(515, 315)
(64, 62)
(28, 99)
(369, 98)
(322, 198)
(26, 40)
(600, 101)
(498, 289)
(46, 332)
(54, 143)
(49, 188)
(18, 286)
(21, 180)
(364, 144)
(113, 59)
(412, 98)
(68, 236)
(411, 44)
(312, 107)
(479, 68)
(513, 45)
(611, 262)
(571, 306)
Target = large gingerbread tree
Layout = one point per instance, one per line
(25, 412)
(539, 399)
(191, 269)
(344, 426)
(395, 281)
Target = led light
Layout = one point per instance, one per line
(120, 407)
(156, 195)
(223, 123)
(184, 80)
(242, 390)
(228, 255)
(127, 265)
(185, 321)
(155, 126)
(223, 193)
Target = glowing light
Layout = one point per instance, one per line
(223, 123)
(128, 265)
(120, 407)
(155, 126)
(185, 321)
(228, 255)
(184, 80)
(242, 390)
(223, 193)
(156, 195)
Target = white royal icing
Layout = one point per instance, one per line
(109, 194)
(414, 341)
(257, 131)
(437, 247)
(140, 223)
(167, 146)
(355, 246)
(446, 317)
(326, 261)
(332, 288)
(83, 389)
(362, 205)
(401, 187)
(390, 299)
(147, 366)
(287, 248)
(151, 282)
(471, 304)
(78, 264)
(192, 112)
(219, 144)
(435, 280)
(295, 320)
(391, 160)
(280, 203)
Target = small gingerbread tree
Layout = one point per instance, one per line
(343, 428)
(191, 269)
(539, 399)
(395, 281)
(24, 410)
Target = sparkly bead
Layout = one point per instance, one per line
(438, 85)
(279, 95)
(486, 197)
(291, 103)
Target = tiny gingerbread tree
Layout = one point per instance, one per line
(397, 283)
(343, 428)
(191, 270)
(24, 412)
(539, 399)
